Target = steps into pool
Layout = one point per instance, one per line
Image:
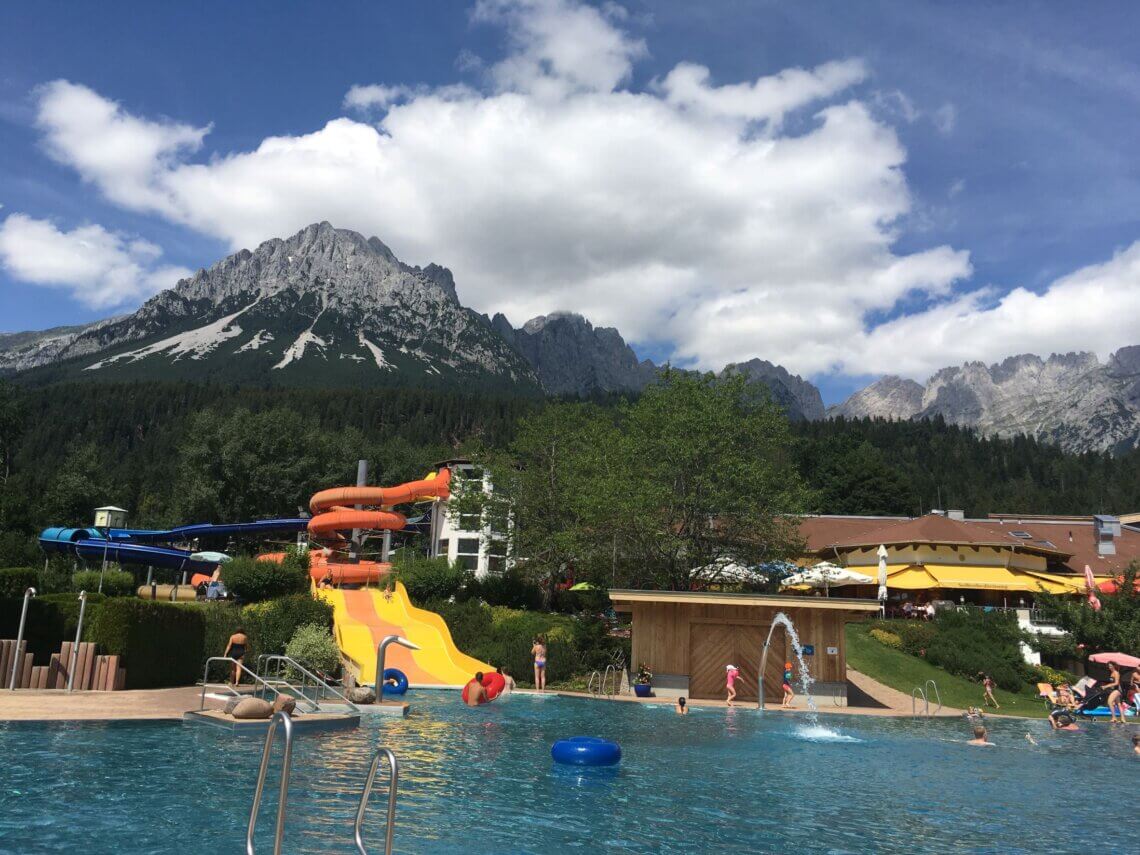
(308, 722)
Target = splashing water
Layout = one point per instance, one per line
(819, 733)
(806, 679)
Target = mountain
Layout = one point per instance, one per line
(573, 357)
(1071, 399)
(323, 307)
(798, 398)
(330, 308)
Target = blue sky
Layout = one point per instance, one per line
(999, 143)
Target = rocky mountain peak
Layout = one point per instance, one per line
(889, 398)
(799, 398)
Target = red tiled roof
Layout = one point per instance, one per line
(1051, 539)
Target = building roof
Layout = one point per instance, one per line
(626, 596)
(1069, 543)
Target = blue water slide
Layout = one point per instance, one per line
(199, 530)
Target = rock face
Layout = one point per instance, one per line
(325, 306)
(1071, 400)
(798, 398)
(570, 356)
(888, 398)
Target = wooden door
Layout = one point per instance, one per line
(712, 646)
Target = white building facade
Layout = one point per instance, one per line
(466, 538)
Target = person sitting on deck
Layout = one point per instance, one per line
(475, 690)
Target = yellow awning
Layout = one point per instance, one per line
(911, 578)
(997, 579)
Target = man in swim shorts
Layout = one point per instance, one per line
(475, 690)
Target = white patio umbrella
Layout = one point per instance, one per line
(882, 573)
(210, 557)
(826, 575)
(723, 570)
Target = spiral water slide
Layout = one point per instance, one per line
(363, 617)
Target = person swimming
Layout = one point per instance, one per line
(979, 736)
(681, 708)
(475, 692)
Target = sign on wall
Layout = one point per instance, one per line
(809, 650)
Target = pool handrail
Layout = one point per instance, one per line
(590, 683)
(232, 690)
(281, 659)
(393, 784)
(16, 657)
(286, 722)
(610, 669)
(75, 646)
(937, 694)
(915, 693)
(381, 655)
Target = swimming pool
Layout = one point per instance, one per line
(482, 781)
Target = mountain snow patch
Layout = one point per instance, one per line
(376, 352)
(262, 337)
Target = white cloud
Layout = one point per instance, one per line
(100, 268)
(663, 213)
(1094, 308)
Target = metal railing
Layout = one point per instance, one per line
(231, 689)
(915, 694)
(393, 783)
(610, 669)
(590, 687)
(930, 684)
(279, 718)
(17, 662)
(281, 662)
(78, 635)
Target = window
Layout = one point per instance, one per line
(444, 546)
(470, 522)
(468, 546)
(469, 562)
(1024, 535)
(496, 547)
(496, 564)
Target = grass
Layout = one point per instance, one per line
(903, 672)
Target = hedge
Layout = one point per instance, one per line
(428, 578)
(52, 619)
(271, 625)
(116, 583)
(253, 581)
(161, 643)
(15, 580)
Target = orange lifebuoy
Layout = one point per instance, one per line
(493, 685)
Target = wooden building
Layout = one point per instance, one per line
(687, 639)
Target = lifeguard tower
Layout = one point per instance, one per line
(110, 517)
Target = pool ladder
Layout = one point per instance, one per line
(599, 682)
(918, 692)
(286, 723)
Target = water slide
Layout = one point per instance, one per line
(137, 546)
(363, 617)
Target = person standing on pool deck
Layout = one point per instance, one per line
(732, 672)
(475, 690)
(235, 649)
(1115, 696)
(989, 685)
(789, 695)
(979, 737)
(539, 651)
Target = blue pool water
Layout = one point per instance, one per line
(482, 781)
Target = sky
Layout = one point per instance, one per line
(848, 190)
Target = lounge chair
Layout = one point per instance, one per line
(1045, 690)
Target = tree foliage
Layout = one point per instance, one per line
(1113, 629)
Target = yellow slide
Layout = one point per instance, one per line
(363, 618)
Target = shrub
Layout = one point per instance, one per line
(254, 581)
(915, 636)
(428, 578)
(887, 638)
(162, 644)
(116, 583)
(1052, 676)
(19, 550)
(313, 646)
(968, 642)
(220, 619)
(52, 619)
(15, 580)
(510, 589)
(271, 625)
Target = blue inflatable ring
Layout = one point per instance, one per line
(401, 681)
(586, 751)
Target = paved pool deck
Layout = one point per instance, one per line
(873, 699)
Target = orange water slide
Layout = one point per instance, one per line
(333, 514)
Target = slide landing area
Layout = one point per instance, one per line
(361, 620)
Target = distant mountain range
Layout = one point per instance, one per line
(328, 307)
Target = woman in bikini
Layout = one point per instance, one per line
(236, 650)
(1115, 696)
(539, 651)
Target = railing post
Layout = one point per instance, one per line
(286, 722)
(393, 783)
(381, 653)
(16, 663)
(78, 635)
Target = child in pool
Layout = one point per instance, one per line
(731, 673)
(1136, 743)
(979, 737)
(681, 708)
(789, 695)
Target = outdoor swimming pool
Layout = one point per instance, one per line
(482, 781)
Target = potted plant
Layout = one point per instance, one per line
(642, 683)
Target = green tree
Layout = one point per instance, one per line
(1115, 628)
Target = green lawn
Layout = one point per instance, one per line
(903, 672)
